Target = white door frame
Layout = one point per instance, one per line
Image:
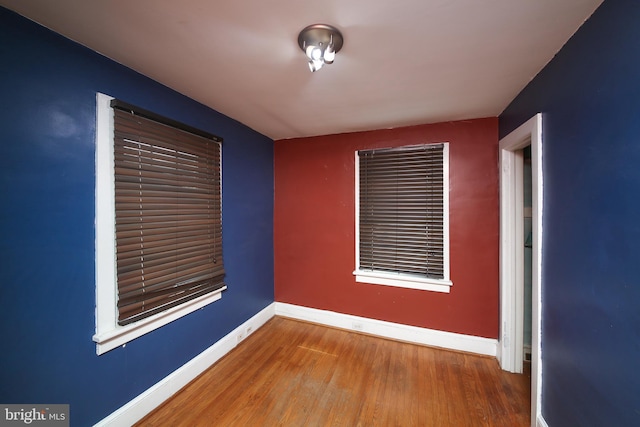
(510, 351)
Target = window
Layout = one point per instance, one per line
(158, 222)
(402, 217)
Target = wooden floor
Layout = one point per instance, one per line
(291, 373)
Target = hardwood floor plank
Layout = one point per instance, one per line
(292, 373)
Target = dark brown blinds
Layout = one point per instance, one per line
(401, 210)
(168, 216)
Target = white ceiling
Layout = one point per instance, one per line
(404, 62)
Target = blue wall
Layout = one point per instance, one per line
(589, 95)
(47, 287)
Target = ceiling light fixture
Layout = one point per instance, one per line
(320, 43)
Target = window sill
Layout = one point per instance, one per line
(120, 335)
(403, 281)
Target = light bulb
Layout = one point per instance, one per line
(315, 65)
(329, 54)
(316, 54)
(313, 52)
(309, 51)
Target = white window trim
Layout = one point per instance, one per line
(407, 280)
(109, 334)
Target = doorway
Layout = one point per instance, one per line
(512, 246)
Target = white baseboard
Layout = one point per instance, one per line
(396, 331)
(153, 397)
(540, 421)
(146, 402)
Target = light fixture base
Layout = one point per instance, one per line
(317, 34)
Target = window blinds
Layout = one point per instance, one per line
(401, 210)
(168, 216)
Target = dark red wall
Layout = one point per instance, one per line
(314, 228)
